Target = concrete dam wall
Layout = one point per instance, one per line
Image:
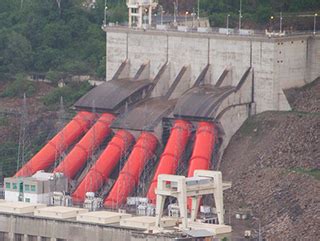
(278, 63)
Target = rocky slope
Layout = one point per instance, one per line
(274, 164)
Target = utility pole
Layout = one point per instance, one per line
(22, 133)
(105, 14)
(228, 24)
(193, 17)
(280, 22)
(240, 15)
(174, 12)
(186, 18)
(315, 24)
(198, 16)
(161, 14)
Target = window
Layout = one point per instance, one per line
(32, 238)
(14, 186)
(27, 200)
(18, 237)
(27, 187)
(8, 185)
(33, 188)
(4, 236)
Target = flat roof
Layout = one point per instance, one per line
(19, 207)
(61, 209)
(104, 214)
(5, 203)
(103, 217)
(145, 115)
(111, 95)
(201, 102)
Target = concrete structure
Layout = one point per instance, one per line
(35, 189)
(278, 62)
(19, 207)
(21, 227)
(103, 217)
(139, 11)
(180, 187)
(59, 212)
(147, 222)
(215, 229)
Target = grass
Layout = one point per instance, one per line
(311, 172)
(70, 94)
(4, 121)
(19, 87)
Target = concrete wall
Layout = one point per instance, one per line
(231, 121)
(35, 228)
(143, 48)
(191, 51)
(116, 52)
(313, 58)
(232, 53)
(278, 63)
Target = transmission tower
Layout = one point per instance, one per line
(60, 154)
(22, 133)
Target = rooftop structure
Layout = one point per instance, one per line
(140, 11)
(35, 189)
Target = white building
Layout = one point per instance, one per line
(35, 189)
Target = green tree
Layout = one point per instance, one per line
(16, 52)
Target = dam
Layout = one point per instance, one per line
(170, 104)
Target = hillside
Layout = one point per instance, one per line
(44, 117)
(274, 164)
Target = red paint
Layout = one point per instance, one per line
(58, 144)
(77, 157)
(202, 150)
(172, 154)
(101, 170)
(128, 178)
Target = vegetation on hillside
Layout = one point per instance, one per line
(256, 13)
(70, 93)
(53, 36)
(64, 37)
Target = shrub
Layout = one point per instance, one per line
(18, 87)
(54, 76)
(70, 93)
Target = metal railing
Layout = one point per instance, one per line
(215, 31)
(141, 2)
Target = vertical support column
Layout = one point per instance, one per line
(11, 236)
(11, 228)
(160, 201)
(195, 202)
(182, 200)
(218, 196)
(130, 17)
(150, 15)
(140, 17)
(217, 190)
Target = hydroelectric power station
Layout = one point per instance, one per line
(174, 96)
